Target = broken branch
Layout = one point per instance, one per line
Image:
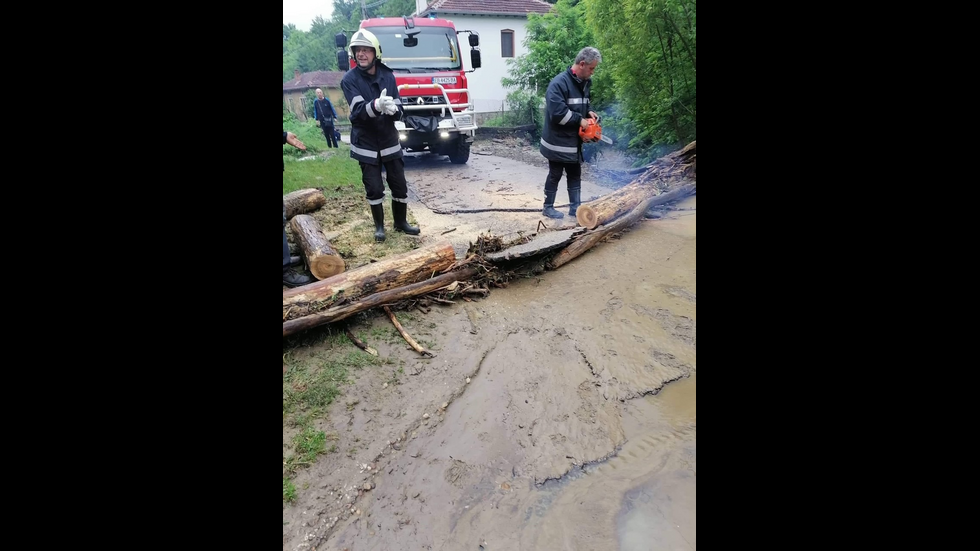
(408, 338)
(359, 343)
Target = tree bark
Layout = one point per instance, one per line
(322, 259)
(390, 296)
(389, 273)
(610, 207)
(590, 239)
(303, 201)
(658, 177)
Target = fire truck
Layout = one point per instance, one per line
(425, 55)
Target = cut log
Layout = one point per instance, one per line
(590, 239)
(303, 201)
(390, 296)
(389, 273)
(322, 259)
(610, 207)
(658, 177)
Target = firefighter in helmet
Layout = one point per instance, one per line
(372, 95)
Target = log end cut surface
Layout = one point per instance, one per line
(587, 217)
(325, 266)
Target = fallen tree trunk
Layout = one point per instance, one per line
(389, 273)
(303, 201)
(658, 177)
(390, 296)
(322, 259)
(590, 239)
(413, 274)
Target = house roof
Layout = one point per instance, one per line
(511, 8)
(314, 79)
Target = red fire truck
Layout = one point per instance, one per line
(425, 56)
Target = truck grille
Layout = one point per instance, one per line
(423, 100)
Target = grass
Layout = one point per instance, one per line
(314, 379)
(288, 491)
(339, 178)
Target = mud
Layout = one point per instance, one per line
(485, 182)
(570, 418)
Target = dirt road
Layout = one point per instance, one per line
(486, 182)
(559, 413)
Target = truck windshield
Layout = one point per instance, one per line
(436, 48)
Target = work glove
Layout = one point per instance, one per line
(390, 107)
(379, 104)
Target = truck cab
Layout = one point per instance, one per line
(425, 55)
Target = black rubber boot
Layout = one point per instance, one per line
(378, 212)
(400, 212)
(290, 278)
(549, 205)
(574, 200)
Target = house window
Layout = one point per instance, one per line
(506, 43)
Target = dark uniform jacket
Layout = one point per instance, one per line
(566, 104)
(323, 111)
(373, 134)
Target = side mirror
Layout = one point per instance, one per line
(343, 60)
(474, 40)
(475, 59)
(340, 39)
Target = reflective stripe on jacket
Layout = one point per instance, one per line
(566, 104)
(372, 134)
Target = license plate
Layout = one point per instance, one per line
(443, 80)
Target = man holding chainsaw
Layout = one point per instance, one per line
(566, 111)
(372, 94)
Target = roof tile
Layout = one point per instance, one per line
(494, 7)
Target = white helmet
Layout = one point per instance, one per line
(365, 38)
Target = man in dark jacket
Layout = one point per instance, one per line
(566, 110)
(372, 95)
(325, 115)
(289, 277)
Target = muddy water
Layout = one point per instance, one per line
(578, 430)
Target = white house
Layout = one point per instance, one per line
(501, 25)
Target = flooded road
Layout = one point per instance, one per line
(570, 419)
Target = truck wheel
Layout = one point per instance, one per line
(462, 153)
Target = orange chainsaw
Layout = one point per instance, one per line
(592, 132)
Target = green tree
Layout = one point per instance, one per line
(652, 60)
(345, 10)
(397, 8)
(553, 40)
(321, 27)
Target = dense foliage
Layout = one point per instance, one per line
(645, 87)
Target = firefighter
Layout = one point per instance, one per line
(566, 110)
(372, 95)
